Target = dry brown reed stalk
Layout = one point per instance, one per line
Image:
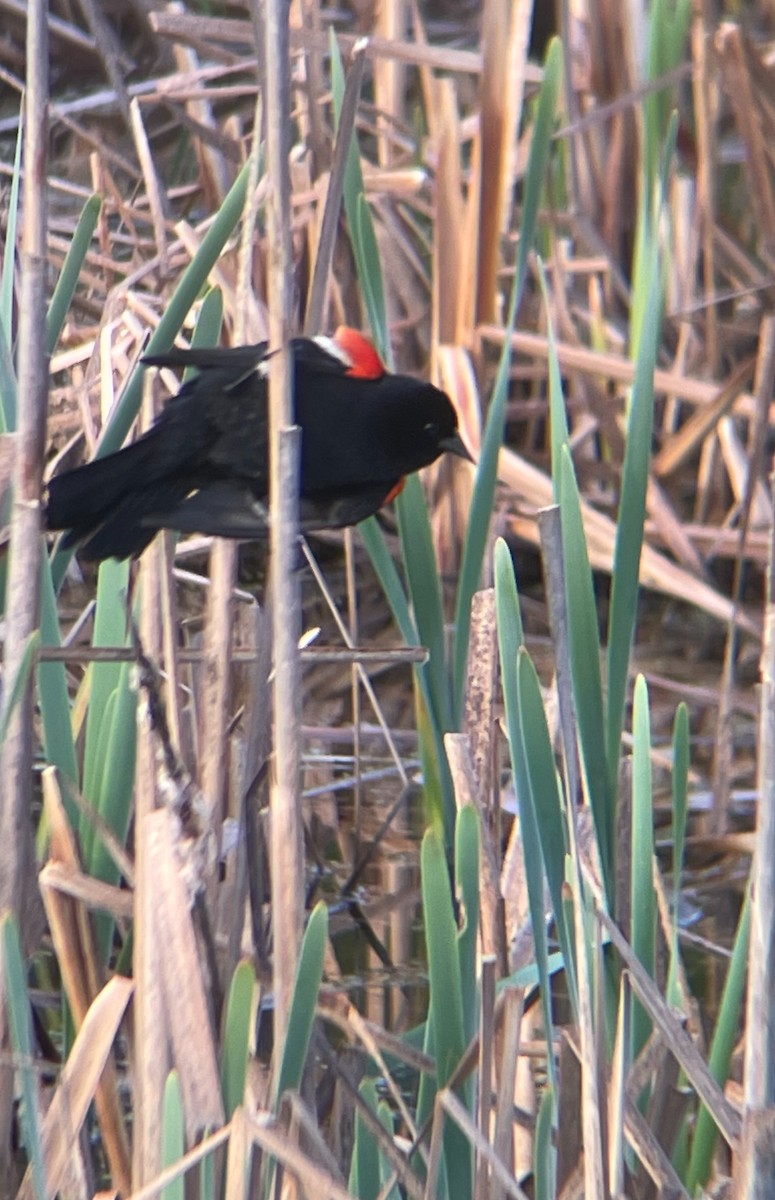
(29, 447)
(610, 152)
(198, 112)
(455, 268)
(81, 1081)
(18, 885)
(151, 1055)
(314, 80)
(186, 1006)
(505, 37)
(214, 716)
(286, 855)
(389, 76)
(747, 82)
(508, 1051)
(151, 180)
(355, 678)
(755, 1165)
(189, 26)
(756, 510)
(472, 760)
(453, 272)
(486, 1065)
(245, 654)
(215, 692)
(706, 114)
(73, 938)
(468, 791)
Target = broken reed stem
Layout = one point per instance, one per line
(286, 855)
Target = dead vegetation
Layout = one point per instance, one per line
(153, 110)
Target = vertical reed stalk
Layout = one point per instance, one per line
(286, 844)
(17, 878)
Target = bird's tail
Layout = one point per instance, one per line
(80, 499)
(103, 503)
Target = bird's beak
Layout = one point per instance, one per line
(456, 445)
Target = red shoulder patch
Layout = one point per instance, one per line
(365, 363)
(396, 490)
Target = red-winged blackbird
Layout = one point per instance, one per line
(203, 466)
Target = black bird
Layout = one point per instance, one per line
(203, 466)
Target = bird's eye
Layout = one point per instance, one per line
(429, 428)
